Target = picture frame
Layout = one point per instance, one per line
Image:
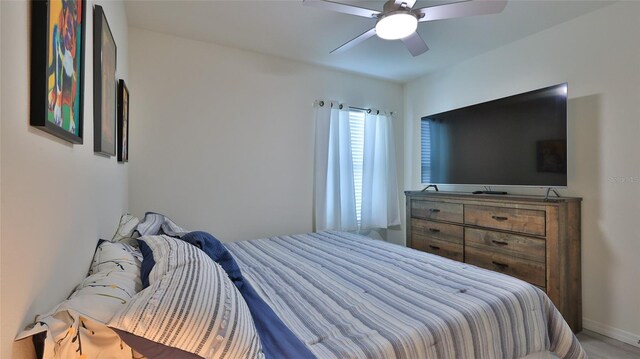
(123, 122)
(551, 156)
(57, 68)
(104, 85)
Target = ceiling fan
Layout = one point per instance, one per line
(399, 21)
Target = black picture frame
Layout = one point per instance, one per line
(105, 55)
(551, 156)
(123, 122)
(50, 109)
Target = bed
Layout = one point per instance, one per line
(328, 294)
(347, 296)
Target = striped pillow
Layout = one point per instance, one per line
(190, 305)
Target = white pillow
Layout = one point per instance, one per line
(114, 278)
(70, 335)
(111, 256)
(126, 229)
(189, 291)
(76, 328)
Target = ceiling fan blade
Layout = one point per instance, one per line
(415, 44)
(461, 9)
(356, 41)
(343, 8)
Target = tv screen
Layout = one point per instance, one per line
(519, 140)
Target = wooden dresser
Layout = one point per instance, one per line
(527, 237)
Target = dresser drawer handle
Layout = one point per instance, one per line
(501, 265)
(500, 243)
(434, 230)
(498, 218)
(434, 247)
(434, 210)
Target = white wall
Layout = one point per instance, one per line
(1, 175)
(598, 55)
(222, 139)
(57, 199)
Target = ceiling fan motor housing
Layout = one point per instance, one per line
(390, 6)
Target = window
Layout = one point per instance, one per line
(425, 151)
(356, 184)
(356, 123)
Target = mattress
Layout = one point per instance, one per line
(348, 296)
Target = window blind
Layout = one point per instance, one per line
(425, 151)
(356, 124)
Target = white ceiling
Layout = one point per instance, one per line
(291, 30)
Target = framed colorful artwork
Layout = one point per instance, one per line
(57, 67)
(104, 85)
(123, 122)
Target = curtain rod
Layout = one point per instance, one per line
(367, 110)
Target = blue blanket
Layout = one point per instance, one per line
(277, 339)
(218, 252)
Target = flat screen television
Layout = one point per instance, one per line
(520, 140)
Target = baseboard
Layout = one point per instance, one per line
(611, 332)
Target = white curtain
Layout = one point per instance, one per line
(380, 201)
(335, 206)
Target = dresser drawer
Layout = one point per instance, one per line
(437, 230)
(526, 221)
(442, 248)
(450, 212)
(527, 270)
(520, 246)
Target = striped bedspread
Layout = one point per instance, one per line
(347, 296)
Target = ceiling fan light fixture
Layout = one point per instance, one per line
(396, 25)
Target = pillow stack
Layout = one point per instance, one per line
(190, 305)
